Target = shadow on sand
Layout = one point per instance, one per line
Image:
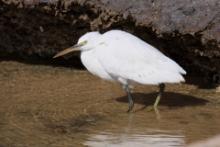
(169, 99)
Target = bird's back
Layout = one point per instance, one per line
(126, 56)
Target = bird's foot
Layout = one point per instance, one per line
(152, 108)
(131, 106)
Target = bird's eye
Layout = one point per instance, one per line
(82, 43)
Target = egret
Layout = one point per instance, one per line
(122, 57)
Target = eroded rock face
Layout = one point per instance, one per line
(187, 31)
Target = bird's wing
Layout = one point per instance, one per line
(126, 56)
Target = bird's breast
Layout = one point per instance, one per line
(90, 61)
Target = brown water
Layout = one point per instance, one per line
(61, 107)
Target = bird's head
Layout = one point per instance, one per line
(85, 43)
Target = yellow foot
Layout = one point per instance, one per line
(152, 108)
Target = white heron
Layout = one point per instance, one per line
(120, 56)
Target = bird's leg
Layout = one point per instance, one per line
(130, 100)
(162, 87)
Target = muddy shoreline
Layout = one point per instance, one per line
(56, 106)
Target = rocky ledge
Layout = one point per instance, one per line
(187, 31)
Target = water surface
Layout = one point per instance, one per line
(54, 106)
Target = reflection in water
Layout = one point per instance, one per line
(105, 139)
(129, 136)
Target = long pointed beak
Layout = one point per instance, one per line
(69, 50)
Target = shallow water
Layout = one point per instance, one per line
(54, 106)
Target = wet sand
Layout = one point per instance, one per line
(54, 106)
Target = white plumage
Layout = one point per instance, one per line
(125, 56)
(120, 56)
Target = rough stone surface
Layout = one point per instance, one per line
(188, 31)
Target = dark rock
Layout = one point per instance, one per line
(187, 31)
